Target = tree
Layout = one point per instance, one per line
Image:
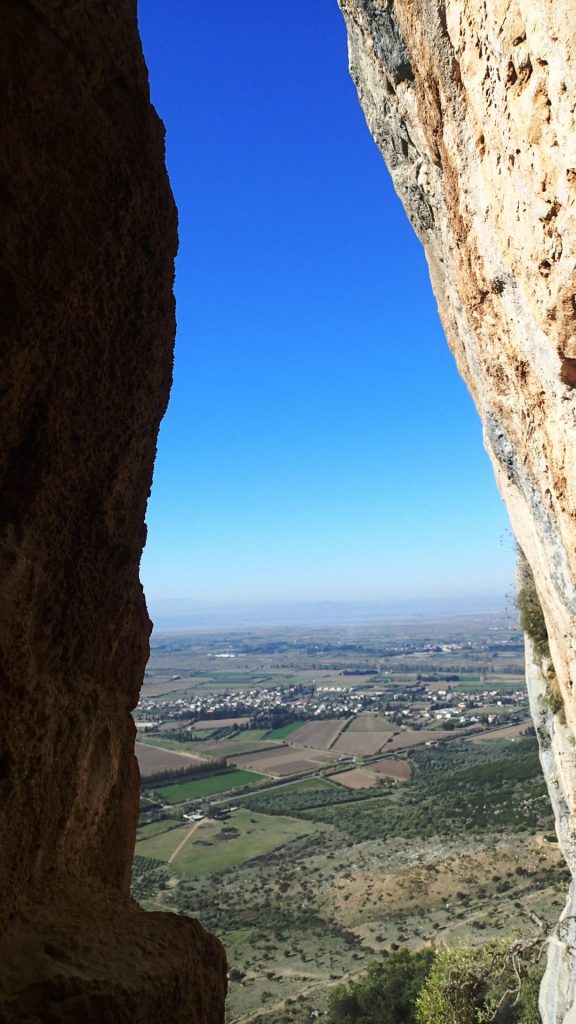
(495, 983)
(386, 994)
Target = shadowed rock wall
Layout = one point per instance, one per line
(88, 231)
(472, 105)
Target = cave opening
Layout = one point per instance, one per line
(291, 300)
(285, 241)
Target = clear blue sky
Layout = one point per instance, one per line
(319, 443)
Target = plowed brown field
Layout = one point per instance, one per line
(360, 742)
(400, 770)
(416, 737)
(282, 761)
(356, 778)
(153, 759)
(319, 734)
(370, 722)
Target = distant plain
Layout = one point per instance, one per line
(326, 842)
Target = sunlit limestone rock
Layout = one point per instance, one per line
(472, 106)
(558, 757)
(88, 237)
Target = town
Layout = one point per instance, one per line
(415, 704)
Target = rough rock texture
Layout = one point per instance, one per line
(88, 232)
(472, 104)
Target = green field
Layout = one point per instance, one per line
(162, 845)
(283, 731)
(156, 828)
(195, 789)
(509, 684)
(220, 845)
(217, 847)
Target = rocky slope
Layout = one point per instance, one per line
(88, 233)
(472, 105)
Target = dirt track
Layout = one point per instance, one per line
(190, 832)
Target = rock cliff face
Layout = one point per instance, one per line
(88, 232)
(473, 107)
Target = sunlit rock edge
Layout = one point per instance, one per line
(472, 107)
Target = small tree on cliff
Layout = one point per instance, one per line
(386, 994)
(496, 983)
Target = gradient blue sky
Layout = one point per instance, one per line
(319, 443)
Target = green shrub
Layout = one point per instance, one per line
(495, 983)
(552, 699)
(386, 994)
(528, 604)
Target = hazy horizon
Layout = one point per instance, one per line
(181, 614)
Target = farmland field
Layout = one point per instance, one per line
(306, 786)
(512, 733)
(280, 762)
(283, 731)
(197, 788)
(156, 828)
(235, 747)
(508, 684)
(413, 739)
(356, 778)
(371, 723)
(152, 759)
(292, 767)
(308, 880)
(319, 734)
(178, 746)
(217, 681)
(220, 723)
(360, 743)
(219, 846)
(395, 769)
(161, 687)
(263, 755)
(284, 760)
(318, 754)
